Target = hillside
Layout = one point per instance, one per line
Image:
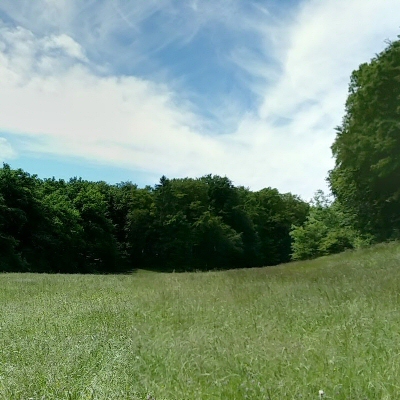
(276, 333)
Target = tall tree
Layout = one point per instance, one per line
(273, 215)
(9, 258)
(227, 202)
(62, 234)
(366, 176)
(22, 215)
(98, 251)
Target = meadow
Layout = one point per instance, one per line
(282, 332)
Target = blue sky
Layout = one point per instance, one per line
(122, 90)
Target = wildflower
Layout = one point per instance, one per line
(321, 394)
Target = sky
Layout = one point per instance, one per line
(121, 90)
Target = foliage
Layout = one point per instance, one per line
(22, 218)
(180, 224)
(366, 177)
(325, 231)
(273, 215)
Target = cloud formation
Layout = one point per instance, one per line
(6, 151)
(120, 120)
(58, 87)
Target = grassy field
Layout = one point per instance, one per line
(270, 333)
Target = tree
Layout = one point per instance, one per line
(217, 245)
(201, 224)
(98, 250)
(9, 258)
(273, 215)
(227, 202)
(325, 231)
(181, 224)
(62, 235)
(131, 211)
(366, 176)
(178, 205)
(22, 217)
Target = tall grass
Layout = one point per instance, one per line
(269, 333)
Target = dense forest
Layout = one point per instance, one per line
(206, 223)
(181, 224)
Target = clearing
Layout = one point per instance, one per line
(269, 333)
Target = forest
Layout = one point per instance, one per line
(78, 226)
(182, 224)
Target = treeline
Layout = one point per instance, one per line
(51, 225)
(206, 223)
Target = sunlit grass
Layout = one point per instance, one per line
(285, 332)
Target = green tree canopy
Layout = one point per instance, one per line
(366, 176)
(325, 231)
(180, 224)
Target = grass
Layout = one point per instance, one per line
(269, 333)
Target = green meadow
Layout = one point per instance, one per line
(283, 332)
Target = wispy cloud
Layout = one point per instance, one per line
(119, 120)
(98, 80)
(6, 151)
(319, 46)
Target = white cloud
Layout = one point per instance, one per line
(119, 120)
(48, 90)
(6, 150)
(66, 44)
(319, 48)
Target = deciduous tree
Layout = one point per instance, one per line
(366, 176)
